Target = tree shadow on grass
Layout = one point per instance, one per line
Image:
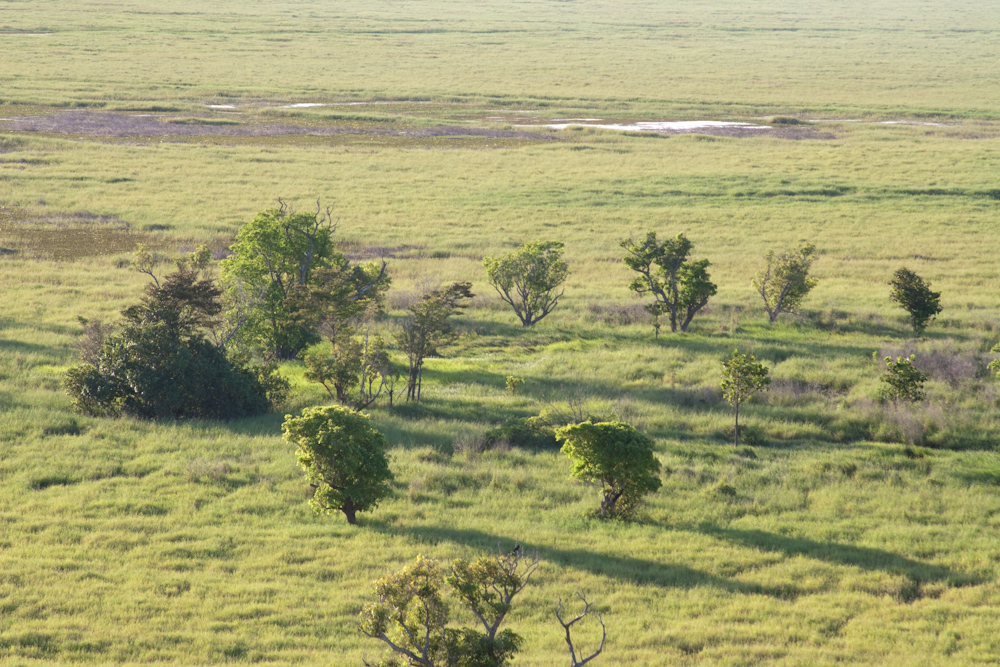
(865, 558)
(612, 566)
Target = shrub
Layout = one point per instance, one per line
(343, 457)
(514, 384)
(528, 433)
(911, 292)
(159, 365)
(902, 381)
(618, 457)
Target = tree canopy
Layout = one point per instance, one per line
(618, 457)
(527, 279)
(343, 456)
(286, 277)
(911, 292)
(784, 281)
(742, 377)
(680, 287)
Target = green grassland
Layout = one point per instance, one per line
(850, 533)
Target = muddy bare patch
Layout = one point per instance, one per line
(357, 251)
(70, 243)
(62, 235)
(105, 124)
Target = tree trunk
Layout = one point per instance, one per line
(350, 512)
(736, 430)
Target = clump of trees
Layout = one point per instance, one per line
(742, 377)
(902, 381)
(429, 327)
(680, 286)
(527, 279)
(344, 458)
(915, 296)
(784, 281)
(616, 456)
(160, 363)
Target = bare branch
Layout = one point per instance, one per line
(574, 662)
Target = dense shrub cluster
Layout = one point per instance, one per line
(160, 365)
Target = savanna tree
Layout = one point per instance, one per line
(995, 364)
(742, 377)
(680, 287)
(428, 328)
(286, 277)
(616, 456)
(413, 610)
(915, 296)
(344, 458)
(527, 279)
(784, 281)
(902, 381)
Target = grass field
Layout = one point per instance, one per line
(850, 533)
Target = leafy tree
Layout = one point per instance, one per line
(742, 377)
(785, 281)
(680, 287)
(902, 381)
(159, 365)
(429, 328)
(911, 292)
(344, 459)
(412, 612)
(354, 371)
(618, 457)
(528, 278)
(286, 276)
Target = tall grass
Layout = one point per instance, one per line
(850, 532)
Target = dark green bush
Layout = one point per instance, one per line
(159, 365)
(526, 433)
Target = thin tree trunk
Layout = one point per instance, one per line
(736, 442)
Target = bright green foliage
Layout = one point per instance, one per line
(412, 612)
(514, 384)
(353, 369)
(902, 381)
(618, 457)
(161, 366)
(274, 257)
(785, 281)
(286, 277)
(911, 292)
(428, 328)
(528, 278)
(742, 377)
(344, 458)
(679, 287)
